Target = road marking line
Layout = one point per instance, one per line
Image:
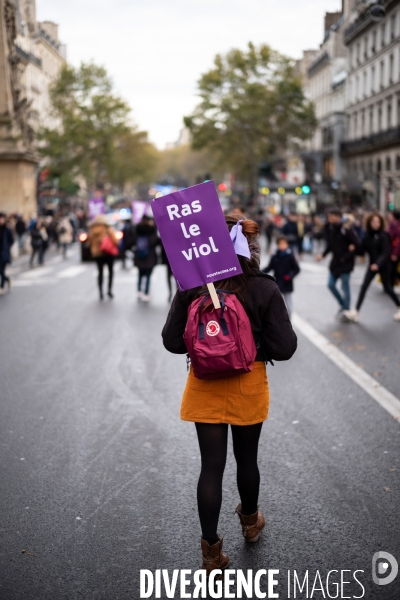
(38, 272)
(380, 394)
(72, 271)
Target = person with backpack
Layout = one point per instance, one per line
(376, 244)
(145, 243)
(342, 242)
(227, 383)
(285, 267)
(103, 245)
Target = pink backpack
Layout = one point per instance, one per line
(219, 342)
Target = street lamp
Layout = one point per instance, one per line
(377, 12)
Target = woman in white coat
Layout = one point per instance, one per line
(65, 234)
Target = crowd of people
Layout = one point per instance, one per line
(342, 235)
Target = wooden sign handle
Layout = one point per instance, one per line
(214, 296)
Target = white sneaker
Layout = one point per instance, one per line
(351, 315)
(146, 298)
(396, 316)
(2, 291)
(140, 295)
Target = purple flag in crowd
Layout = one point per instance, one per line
(195, 236)
(96, 207)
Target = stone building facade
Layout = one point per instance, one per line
(30, 59)
(371, 149)
(324, 76)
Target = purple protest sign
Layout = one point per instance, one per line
(195, 236)
(139, 209)
(96, 207)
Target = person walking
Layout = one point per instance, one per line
(6, 241)
(20, 230)
(103, 245)
(145, 243)
(341, 242)
(128, 236)
(291, 230)
(65, 234)
(170, 276)
(240, 401)
(394, 234)
(38, 239)
(376, 244)
(285, 267)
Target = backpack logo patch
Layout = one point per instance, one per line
(212, 328)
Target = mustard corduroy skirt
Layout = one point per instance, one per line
(238, 400)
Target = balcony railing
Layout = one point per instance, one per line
(27, 56)
(383, 139)
(317, 63)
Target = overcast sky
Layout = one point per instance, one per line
(155, 50)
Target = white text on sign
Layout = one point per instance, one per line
(192, 231)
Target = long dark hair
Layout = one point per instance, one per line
(237, 284)
(369, 220)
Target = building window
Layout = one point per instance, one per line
(383, 35)
(355, 125)
(365, 84)
(389, 114)
(373, 49)
(382, 78)
(357, 87)
(388, 164)
(370, 168)
(358, 53)
(365, 48)
(371, 120)
(372, 80)
(391, 68)
(363, 123)
(380, 118)
(393, 27)
(379, 166)
(398, 162)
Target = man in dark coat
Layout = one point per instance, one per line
(342, 242)
(6, 241)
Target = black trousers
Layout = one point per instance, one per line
(387, 286)
(3, 276)
(394, 271)
(101, 262)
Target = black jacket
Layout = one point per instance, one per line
(6, 241)
(377, 245)
(291, 232)
(338, 240)
(284, 264)
(150, 232)
(265, 308)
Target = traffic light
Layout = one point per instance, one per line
(306, 189)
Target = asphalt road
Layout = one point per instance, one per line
(98, 474)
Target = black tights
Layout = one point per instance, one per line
(101, 261)
(387, 286)
(213, 442)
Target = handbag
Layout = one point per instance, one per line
(108, 247)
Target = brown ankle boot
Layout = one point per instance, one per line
(251, 524)
(213, 557)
